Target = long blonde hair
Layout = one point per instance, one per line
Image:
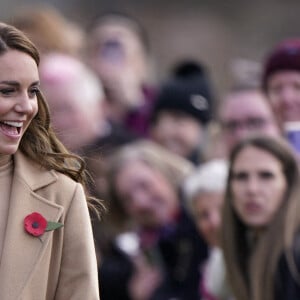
(252, 267)
(173, 167)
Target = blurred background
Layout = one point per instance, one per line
(221, 34)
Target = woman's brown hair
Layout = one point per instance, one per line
(39, 142)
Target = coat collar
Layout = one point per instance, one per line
(32, 174)
(21, 251)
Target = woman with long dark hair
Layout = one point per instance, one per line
(261, 221)
(47, 249)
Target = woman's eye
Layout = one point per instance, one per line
(266, 175)
(240, 176)
(33, 91)
(6, 91)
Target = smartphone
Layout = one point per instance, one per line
(113, 51)
(292, 134)
(129, 243)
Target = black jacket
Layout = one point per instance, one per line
(181, 250)
(287, 286)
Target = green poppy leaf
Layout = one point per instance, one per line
(53, 225)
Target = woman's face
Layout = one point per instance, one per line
(146, 194)
(207, 209)
(19, 83)
(178, 132)
(258, 186)
(284, 94)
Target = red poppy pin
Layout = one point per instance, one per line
(35, 224)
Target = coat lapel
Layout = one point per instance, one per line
(21, 251)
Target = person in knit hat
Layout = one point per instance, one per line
(182, 111)
(281, 80)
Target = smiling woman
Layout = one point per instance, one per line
(18, 100)
(261, 221)
(39, 177)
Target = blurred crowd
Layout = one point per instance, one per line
(200, 189)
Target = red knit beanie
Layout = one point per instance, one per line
(284, 57)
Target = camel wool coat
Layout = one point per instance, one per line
(60, 264)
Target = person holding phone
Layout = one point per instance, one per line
(144, 181)
(281, 83)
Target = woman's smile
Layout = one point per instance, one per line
(12, 129)
(19, 85)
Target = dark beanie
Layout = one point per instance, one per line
(284, 57)
(188, 90)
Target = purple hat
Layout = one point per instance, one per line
(284, 57)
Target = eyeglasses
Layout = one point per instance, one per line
(249, 124)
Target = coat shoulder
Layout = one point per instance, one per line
(63, 190)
